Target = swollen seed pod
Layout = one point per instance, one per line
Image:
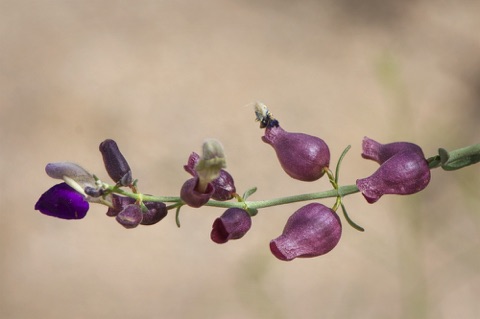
(301, 156)
(404, 173)
(116, 165)
(313, 230)
(381, 152)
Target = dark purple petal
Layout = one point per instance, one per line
(192, 197)
(62, 201)
(311, 231)
(156, 212)
(130, 217)
(233, 224)
(402, 174)
(224, 186)
(301, 156)
(115, 163)
(119, 203)
(193, 160)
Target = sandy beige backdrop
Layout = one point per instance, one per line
(160, 76)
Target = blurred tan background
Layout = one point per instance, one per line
(160, 76)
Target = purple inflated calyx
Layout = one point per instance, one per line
(403, 170)
(233, 224)
(302, 156)
(311, 231)
(130, 217)
(155, 213)
(115, 163)
(119, 203)
(224, 186)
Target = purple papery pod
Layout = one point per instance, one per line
(381, 152)
(301, 156)
(313, 230)
(402, 174)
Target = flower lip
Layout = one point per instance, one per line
(62, 201)
(191, 196)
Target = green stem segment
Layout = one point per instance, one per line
(342, 191)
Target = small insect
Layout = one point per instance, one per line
(264, 116)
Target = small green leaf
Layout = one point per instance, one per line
(337, 170)
(249, 192)
(459, 158)
(177, 216)
(351, 222)
(444, 156)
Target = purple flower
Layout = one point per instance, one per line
(233, 224)
(301, 156)
(403, 170)
(311, 231)
(224, 184)
(62, 201)
(156, 211)
(115, 163)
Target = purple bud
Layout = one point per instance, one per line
(192, 197)
(233, 224)
(115, 164)
(62, 201)
(156, 212)
(311, 231)
(119, 203)
(404, 173)
(301, 156)
(130, 216)
(382, 152)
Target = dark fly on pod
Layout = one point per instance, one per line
(264, 116)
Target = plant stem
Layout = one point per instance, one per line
(342, 191)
